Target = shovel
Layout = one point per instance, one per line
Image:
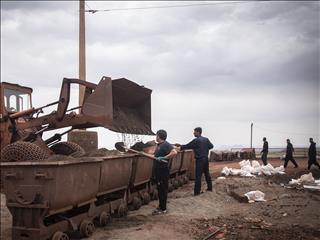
(121, 148)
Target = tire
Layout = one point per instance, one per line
(170, 188)
(23, 151)
(175, 184)
(136, 203)
(180, 182)
(155, 195)
(122, 210)
(68, 148)
(60, 236)
(186, 180)
(104, 219)
(146, 198)
(86, 228)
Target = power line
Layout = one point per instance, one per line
(165, 6)
(88, 6)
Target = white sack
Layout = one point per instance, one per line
(256, 196)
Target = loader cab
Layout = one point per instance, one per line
(14, 98)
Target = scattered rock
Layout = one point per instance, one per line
(285, 195)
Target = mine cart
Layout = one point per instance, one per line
(49, 198)
(141, 190)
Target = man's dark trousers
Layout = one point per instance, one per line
(289, 157)
(202, 166)
(162, 178)
(313, 160)
(264, 158)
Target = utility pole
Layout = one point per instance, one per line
(82, 50)
(251, 135)
(88, 140)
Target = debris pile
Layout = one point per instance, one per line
(251, 169)
(305, 178)
(103, 152)
(308, 182)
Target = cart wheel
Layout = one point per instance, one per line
(170, 188)
(136, 202)
(146, 198)
(155, 195)
(86, 228)
(186, 179)
(122, 210)
(104, 219)
(60, 236)
(175, 184)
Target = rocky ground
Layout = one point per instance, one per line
(221, 214)
(287, 213)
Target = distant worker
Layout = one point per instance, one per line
(201, 146)
(264, 151)
(163, 153)
(312, 153)
(289, 155)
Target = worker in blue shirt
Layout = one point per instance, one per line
(163, 153)
(201, 146)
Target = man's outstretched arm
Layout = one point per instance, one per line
(190, 145)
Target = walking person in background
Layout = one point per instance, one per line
(264, 151)
(312, 154)
(201, 146)
(163, 153)
(289, 155)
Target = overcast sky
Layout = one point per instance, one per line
(219, 66)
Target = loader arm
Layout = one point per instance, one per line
(119, 105)
(65, 94)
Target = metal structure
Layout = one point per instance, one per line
(119, 105)
(50, 199)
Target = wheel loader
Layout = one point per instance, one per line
(119, 105)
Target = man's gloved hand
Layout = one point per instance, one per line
(160, 159)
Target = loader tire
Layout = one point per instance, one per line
(23, 151)
(68, 148)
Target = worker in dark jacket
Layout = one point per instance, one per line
(312, 153)
(264, 151)
(163, 153)
(201, 146)
(289, 155)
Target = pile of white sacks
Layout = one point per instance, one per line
(251, 169)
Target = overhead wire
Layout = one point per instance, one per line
(165, 6)
(88, 6)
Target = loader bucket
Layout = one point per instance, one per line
(97, 106)
(119, 105)
(131, 107)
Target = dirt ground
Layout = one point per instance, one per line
(287, 213)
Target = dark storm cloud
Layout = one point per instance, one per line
(205, 43)
(256, 61)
